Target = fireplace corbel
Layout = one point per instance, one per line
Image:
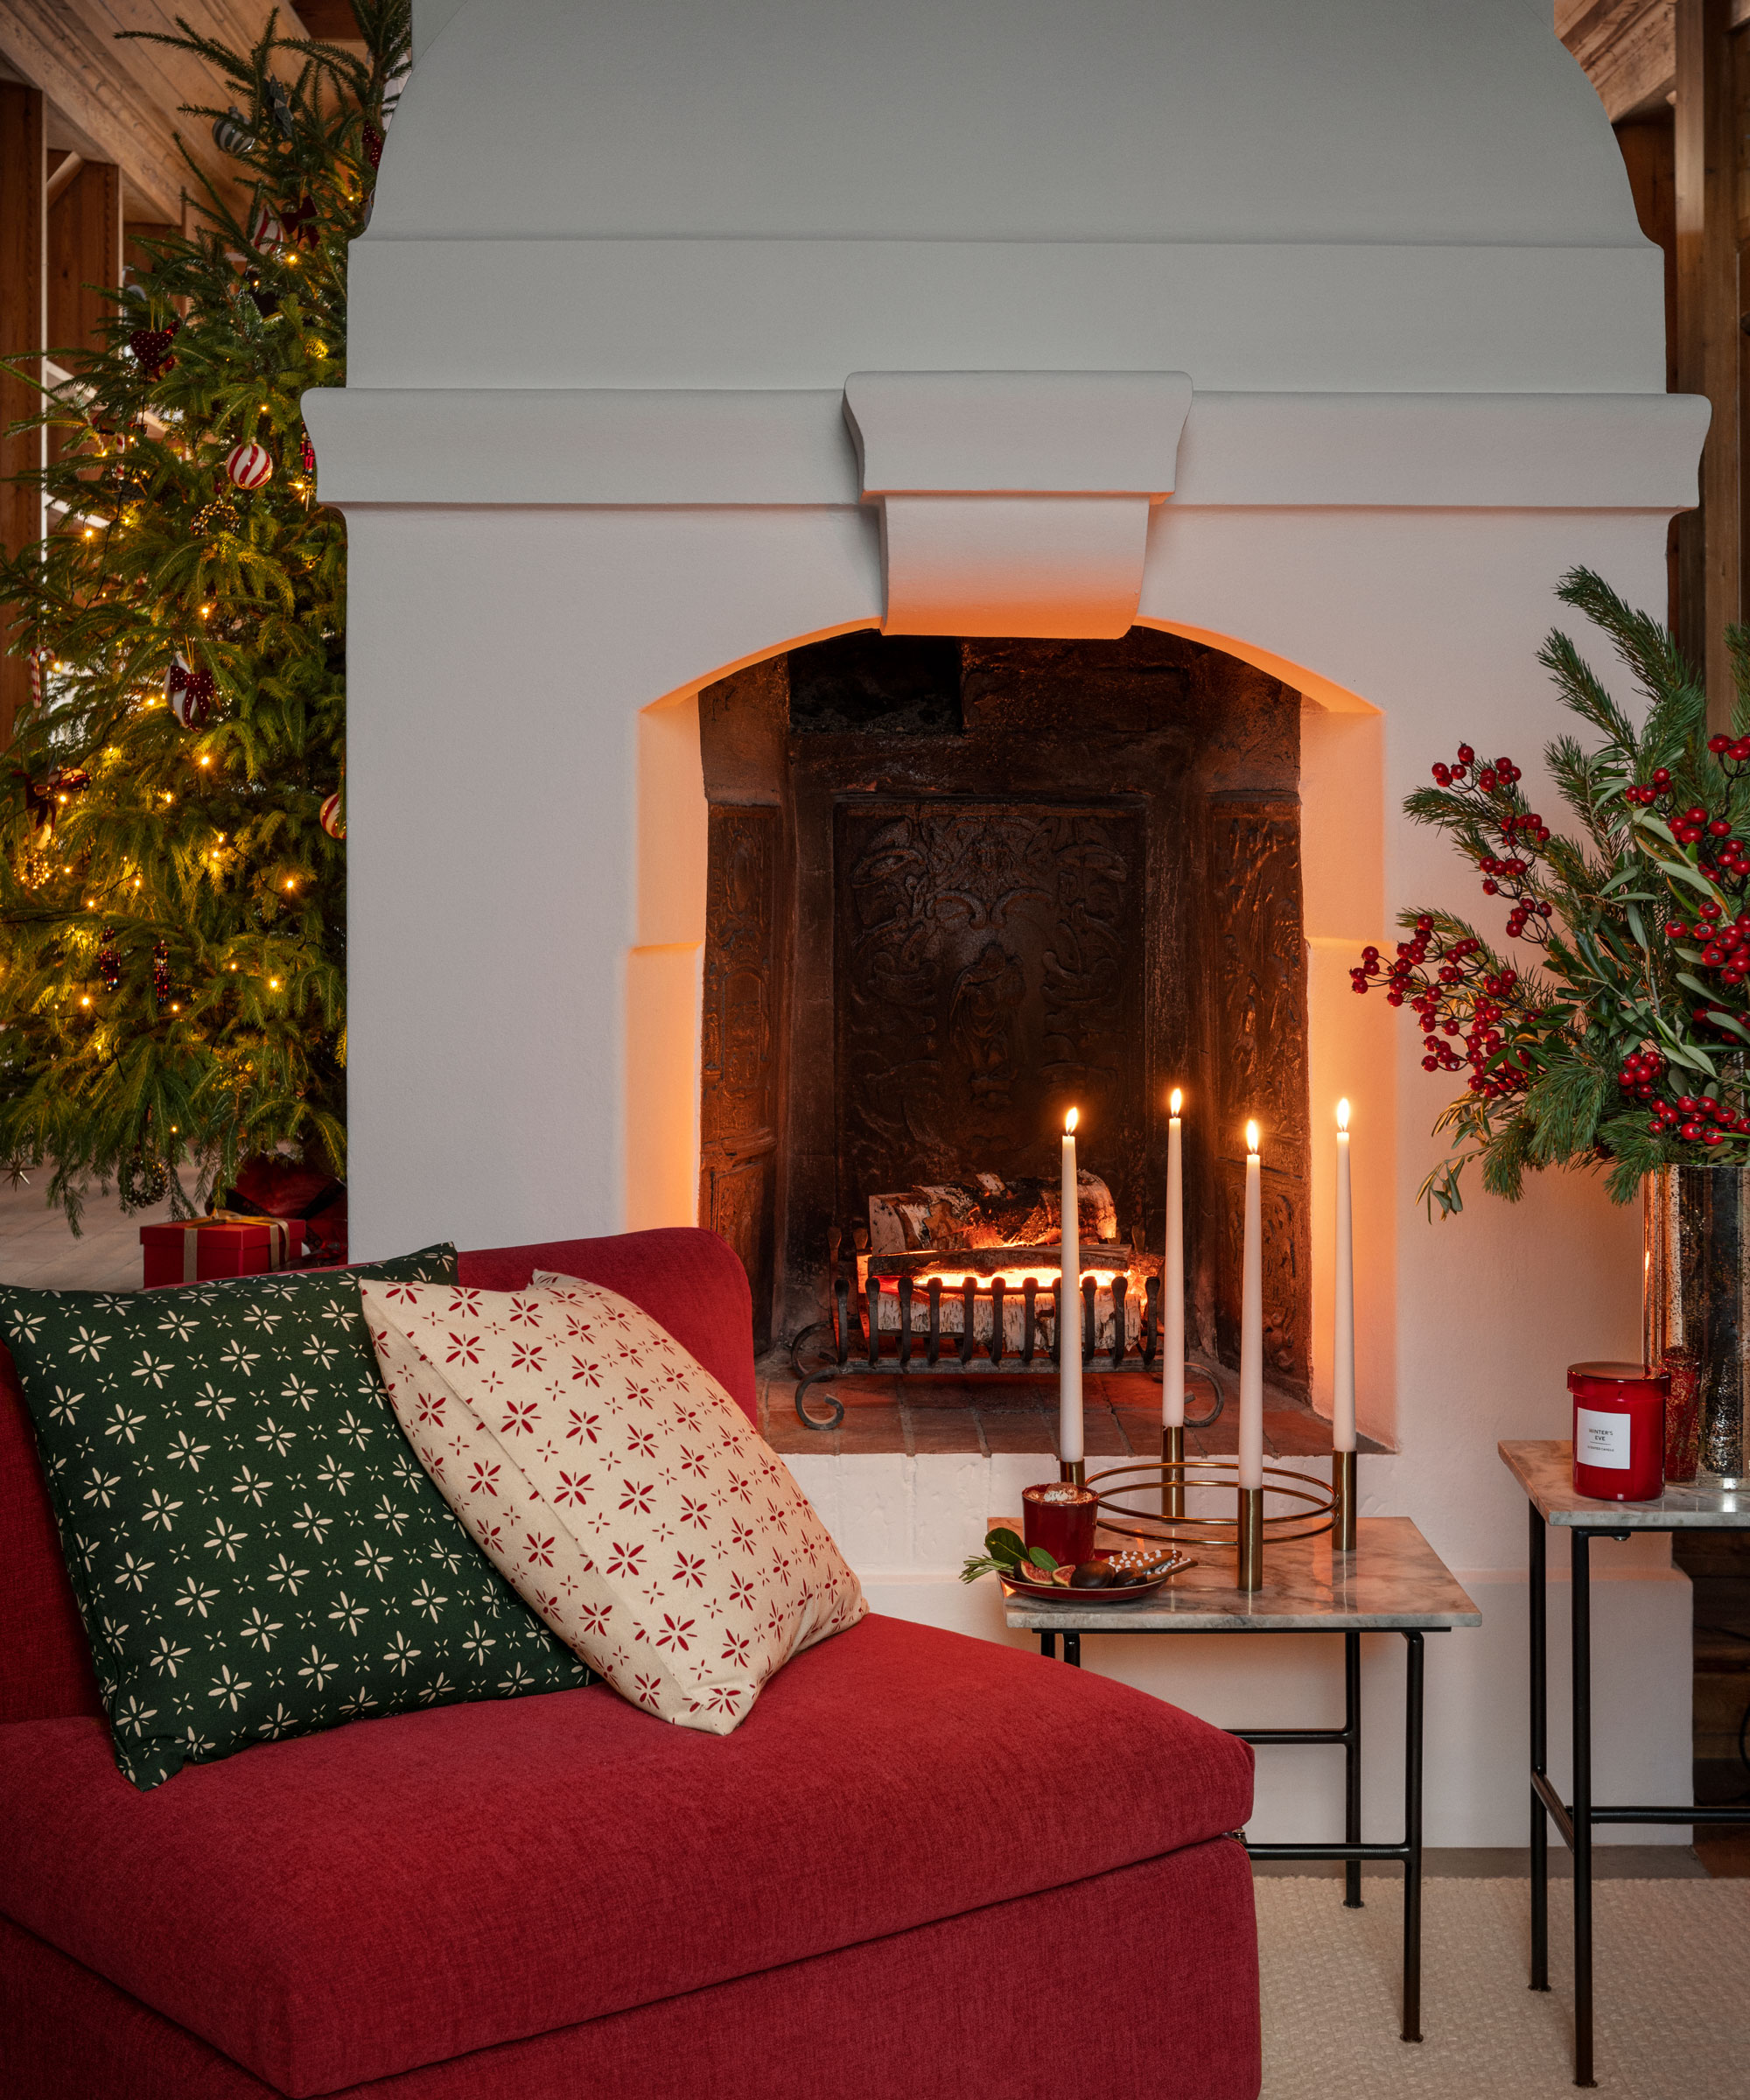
(1015, 503)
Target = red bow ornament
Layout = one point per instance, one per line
(189, 694)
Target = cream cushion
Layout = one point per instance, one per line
(616, 1486)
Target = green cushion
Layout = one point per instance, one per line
(255, 1549)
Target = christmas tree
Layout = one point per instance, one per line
(172, 878)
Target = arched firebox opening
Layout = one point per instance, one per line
(957, 887)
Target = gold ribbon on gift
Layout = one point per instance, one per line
(278, 1238)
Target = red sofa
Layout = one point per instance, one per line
(924, 1867)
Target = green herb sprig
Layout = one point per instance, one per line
(1005, 1555)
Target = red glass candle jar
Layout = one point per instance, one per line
(1060, 1517)
(1618, 1430)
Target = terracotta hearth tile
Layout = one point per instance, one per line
(926, 1395)
(870, 1428)
(943, 1429)
(1016, 1431)
(1001, 1397)
(787, 1436)
(860, 1396)
(1141, 1428)
(1102, 1434)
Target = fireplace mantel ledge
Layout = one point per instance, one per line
(638, 448)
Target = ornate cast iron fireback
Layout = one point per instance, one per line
(985, 980)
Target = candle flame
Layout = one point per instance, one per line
(1252, 1139)
(1343, 1115)
(1177, 1098)
(1069, 1122)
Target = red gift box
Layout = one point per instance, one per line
(218, 1247)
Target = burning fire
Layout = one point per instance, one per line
(1010, 1279)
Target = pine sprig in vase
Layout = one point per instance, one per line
(1624, 1046)
(172, 962)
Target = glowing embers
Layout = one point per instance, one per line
(1010, 1295)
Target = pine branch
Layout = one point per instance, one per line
(1581, 691)
(1648, 649)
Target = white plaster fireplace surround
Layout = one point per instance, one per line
(689, 331)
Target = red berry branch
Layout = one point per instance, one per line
(1520, 833)
(1628, 1046)
(1464, 1000)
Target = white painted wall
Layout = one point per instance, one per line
(623, 262)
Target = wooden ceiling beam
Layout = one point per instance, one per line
(126, 96)
(1627, 47)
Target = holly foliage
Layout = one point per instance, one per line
(172, 959)
(1624, 1046)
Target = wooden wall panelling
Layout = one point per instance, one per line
(739, 1048)
(84, 250)
(743, 726)
(23, 178)
(1648, 146)
(134, 256)
(1709, 341)
(1259, 1005)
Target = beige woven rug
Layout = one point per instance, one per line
(1672, 1992)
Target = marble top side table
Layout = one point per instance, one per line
(1393, 1582)
(1545, 1472)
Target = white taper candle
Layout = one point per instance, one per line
(1343, 1346)
(1172, 1280)
(1069, 1305)
(1251, 1322)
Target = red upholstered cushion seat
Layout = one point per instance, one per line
(399, 1891)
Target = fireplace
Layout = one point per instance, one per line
(1294, 351)
(957, 887)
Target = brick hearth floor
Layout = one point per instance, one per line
(990, 1414)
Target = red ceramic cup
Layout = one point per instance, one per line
(1618, 1430)
(1060, 1517)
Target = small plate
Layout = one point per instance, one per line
(1049, 1589)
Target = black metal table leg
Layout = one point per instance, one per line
(1049, 1644)
(1581, 1606)
(1412, 1837)
(1071, 1649)
(1352, 1767)
(1538, 1602)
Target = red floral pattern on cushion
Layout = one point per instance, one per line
(616, 1486)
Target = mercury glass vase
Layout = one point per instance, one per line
(1697, 1298)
